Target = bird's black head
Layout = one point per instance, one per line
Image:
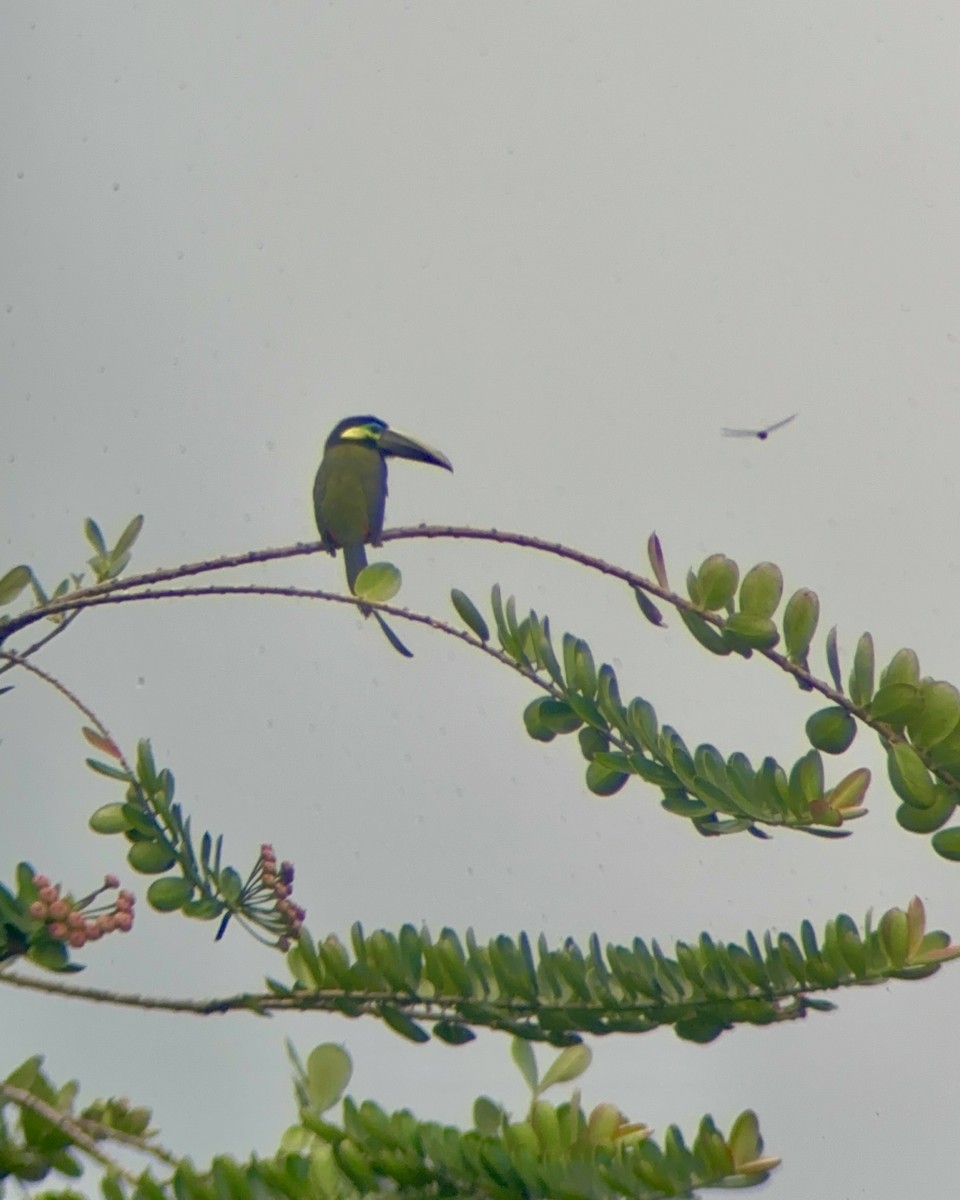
(377, 435)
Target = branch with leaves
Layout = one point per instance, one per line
(449, 987)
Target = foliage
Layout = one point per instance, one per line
(452, 985)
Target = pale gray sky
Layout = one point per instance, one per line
(565, 244)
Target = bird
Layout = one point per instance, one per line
(762, 434)
(350, 492)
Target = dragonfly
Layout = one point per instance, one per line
(762, 434)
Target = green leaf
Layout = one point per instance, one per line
(569, 1064)
(535, 724)
(800, 619)
(168, 895)
(146, 767)
(717, 581)
(109, 818)
(904, 667)
(831, 730)
(50, 955)
(379, 582)
(745, 1142)
(939, 716)
(648, 608)
(126, 539)
(896, 703)
(328, 1071)
(150, 858)
(230, 884)
(13, 583)
(847, 796)
(585, 672)
(470, 614)
(761, 590)
(833, 660)
(93, 535)
(806, 778)
(453, 1033)
(655, 555)
(592, 741)
(558, 716)
(909, 776)
(400, 1023)
(108, 769)
(706, 634)
(895, 935)
(947, 843)
(642, 720)
(587, 711)
(861, 677)
(757, 632)
(928, 820)
(487, 1116)
(522, 1053)
(543, 644)
(604, 782)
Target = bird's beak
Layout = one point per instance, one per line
(395, 444)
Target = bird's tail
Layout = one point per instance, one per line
(355, 559)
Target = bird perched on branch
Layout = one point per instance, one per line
(350, 492)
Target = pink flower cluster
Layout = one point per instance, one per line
(279, 882)
(73, 921)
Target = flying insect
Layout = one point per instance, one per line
(350, 492)
(762, 434)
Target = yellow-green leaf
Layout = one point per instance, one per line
(379, 582)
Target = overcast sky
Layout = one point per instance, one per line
(566, 244)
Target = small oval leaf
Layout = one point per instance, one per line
(761, 590)
(150, 858)
(603, 782)
(831, 730)
(109, 818)
(470, 614)
(717, 581)
(535, 724)
(13, 583)
(939, 715)
(378, 582)
(328, 1070)
(757, 632)
(947, 843)
(168, 895)
(800, 619)
(909, 776)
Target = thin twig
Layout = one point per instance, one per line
(18, 660)
(41, 642)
